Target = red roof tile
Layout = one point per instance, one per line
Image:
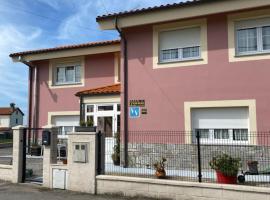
(2, 129)
(9, 110)
(110, 89)
(67, 47)
(6, 111)
(155, 8)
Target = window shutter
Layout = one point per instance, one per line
(244, 24)
(180, 38)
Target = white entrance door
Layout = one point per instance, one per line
(106, 117)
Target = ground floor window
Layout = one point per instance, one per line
(221, 125)
(223, 135)
(66, 123)
(66, 129)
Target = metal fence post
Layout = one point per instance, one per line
(199, 156)
(24, 155)
(100, 153)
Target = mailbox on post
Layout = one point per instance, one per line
(46, 138)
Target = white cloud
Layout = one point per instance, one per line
(19, 32)
(52, 3)
(13, 76)
(82, 23)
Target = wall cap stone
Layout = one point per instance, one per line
(18, 127)
(49, 126)
(186, 184)
(5, 166)
(82, 133)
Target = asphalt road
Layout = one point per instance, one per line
(10, 191)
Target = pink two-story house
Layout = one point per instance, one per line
(196, 65)
(199, 65)
(90, 71)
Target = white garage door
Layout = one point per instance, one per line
(221, 124)
(67, 123)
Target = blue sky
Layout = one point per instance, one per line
(35, 24)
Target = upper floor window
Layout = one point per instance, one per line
(179, 45)
(67, 74)
(253, 36)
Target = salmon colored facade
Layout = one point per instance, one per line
(166, 90)
(99, 71)
(171, 91)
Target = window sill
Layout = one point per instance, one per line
(225, 143)
(179, 61)
(252, 54)
(67, 85)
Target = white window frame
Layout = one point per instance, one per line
(180, 55)
(229, 141)
(74, 74)
(110, 113)
(260, 49)
(63, 133)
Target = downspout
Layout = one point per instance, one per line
(30, 99)
(123, 38)
(35, 120)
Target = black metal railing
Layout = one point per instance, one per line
(33, 154)
(189, 154)
(6, 147)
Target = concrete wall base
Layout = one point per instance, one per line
(175, 190)
(6, 172)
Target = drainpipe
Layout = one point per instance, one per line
(35, 120)
(123, 38)
(30, 98)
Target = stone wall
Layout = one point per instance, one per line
(185, 156)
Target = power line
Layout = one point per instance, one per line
(52, 19)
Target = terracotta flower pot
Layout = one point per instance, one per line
(160, 174)
(223, 179)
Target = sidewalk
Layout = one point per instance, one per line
(10, 191)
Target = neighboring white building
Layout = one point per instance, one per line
(10, 117)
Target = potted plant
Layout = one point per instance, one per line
(159, 166)
(116, 150)
(226, 168)
(87, 126)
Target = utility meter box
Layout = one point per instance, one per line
(46, 138)
(80, 152)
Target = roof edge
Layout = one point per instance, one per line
(151, 9)
(103, 90)
(66, 47)
(178, 11)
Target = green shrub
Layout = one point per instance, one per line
(226, 164)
